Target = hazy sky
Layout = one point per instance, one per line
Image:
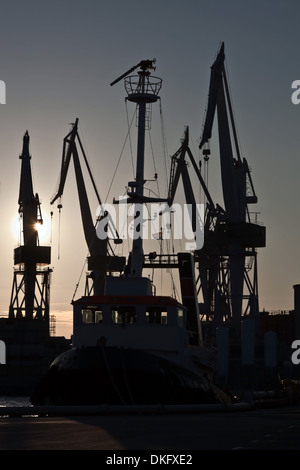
(58, 59)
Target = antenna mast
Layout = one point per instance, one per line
(143, 90)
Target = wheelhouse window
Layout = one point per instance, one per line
(156, 315)
(123, 315)
(87, 315)
(98, 316)
(181, 317)
(90, 315)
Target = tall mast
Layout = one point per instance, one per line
(143, 90)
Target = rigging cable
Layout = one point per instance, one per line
(169, 240)
(80, 276)
(167, 176)
(122, 150)
(164, 141)
(129, 137)
(153, 160)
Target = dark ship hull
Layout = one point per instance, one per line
(117, 376)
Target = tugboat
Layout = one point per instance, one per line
(129, 345)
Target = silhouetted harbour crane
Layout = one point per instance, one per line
(229, 254)
(31, 283)
(100, 261)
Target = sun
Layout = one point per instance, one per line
(43, 229)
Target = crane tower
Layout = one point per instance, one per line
(31, 282)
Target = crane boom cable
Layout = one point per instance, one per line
(230, 108)
(88, 166)
(94, 186)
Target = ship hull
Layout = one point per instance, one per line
(117, 376)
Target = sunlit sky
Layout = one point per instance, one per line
(58, 59)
